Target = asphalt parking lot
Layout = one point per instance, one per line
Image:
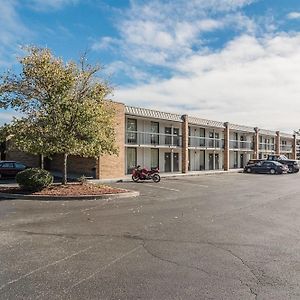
(230, 236)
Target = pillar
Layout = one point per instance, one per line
(185, 144)
(256, 143)
(226, 147)
(294, 148)
(277, 143)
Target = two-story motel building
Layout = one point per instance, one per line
(175, 143)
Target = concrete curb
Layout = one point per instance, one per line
(169, 175)
(128, 194)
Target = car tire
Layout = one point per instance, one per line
(272, 171)
(249, 170)
(291, 169)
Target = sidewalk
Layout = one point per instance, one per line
(127, 178)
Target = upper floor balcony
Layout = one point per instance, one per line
(205, 142)
(286, 148)
(152, 139)
(266, 147)
(241, 145)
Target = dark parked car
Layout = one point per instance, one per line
(292, 164)
(266, 167)
(10, 168)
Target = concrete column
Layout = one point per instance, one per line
(277, 143)
(226, 147)
(256, 143)
(294, 148)
(185, 144)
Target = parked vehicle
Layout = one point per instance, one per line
(266, 167)
(10, 168)
(143, 174)
(293, 166)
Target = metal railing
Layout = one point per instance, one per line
(149, 138)
(286, 148)
(266, 146)
(245, 145)
(203, 142)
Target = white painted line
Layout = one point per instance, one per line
(103, 268)
(162, 187)
(44, 267)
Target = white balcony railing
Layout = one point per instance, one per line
(149, 138)
(286, 148)
(203, 142)
(245, 145)
(267, 147)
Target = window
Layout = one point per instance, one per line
(19, 166)
(202, 139)
(168, 135)
(176, 140)
(8, 165)
(131, 159)
(217, 141)
(154, 133)
(131, 131)
(154, 158)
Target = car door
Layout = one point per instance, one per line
(8, 169)
(266, 167)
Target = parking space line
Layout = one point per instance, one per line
(44, 267)
(103, 268)
(164, 188)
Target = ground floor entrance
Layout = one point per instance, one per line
(166, 159)
(201, 160)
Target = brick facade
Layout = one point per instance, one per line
(77, 166)
(256, 143)
(185, 144)
(113, 166)
(226, 147)
(277, 143)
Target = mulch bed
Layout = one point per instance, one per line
(71, 189)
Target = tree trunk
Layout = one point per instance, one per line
(42, 161)
(64, 179)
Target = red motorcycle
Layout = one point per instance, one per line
(139, 173)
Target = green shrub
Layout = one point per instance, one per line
(34, 179)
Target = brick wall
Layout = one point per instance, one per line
(185, 144)
(77, 165)
(113, 166)
(28, 159)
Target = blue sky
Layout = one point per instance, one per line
(229, 60)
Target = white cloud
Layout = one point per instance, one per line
(12, 31)
(293, 15)
(160, 32)
(105, 43)
(250, 81)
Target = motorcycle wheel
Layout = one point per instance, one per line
(156, 178)
(135, 178)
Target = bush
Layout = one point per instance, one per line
(34, 179)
